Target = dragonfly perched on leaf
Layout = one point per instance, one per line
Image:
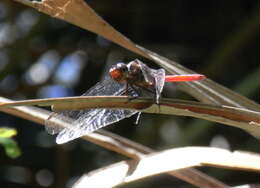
(132, 79)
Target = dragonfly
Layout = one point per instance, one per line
(132, 79)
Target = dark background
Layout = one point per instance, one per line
(44, 57)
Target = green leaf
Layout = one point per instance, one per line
(7, 132)
(12, 150)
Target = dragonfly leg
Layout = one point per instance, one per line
(126, 89)
(138, 118)
(137, 92)
(136, 95)
(126, 92)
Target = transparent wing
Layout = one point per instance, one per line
(159, 76)
(153, 75)
(82, 122)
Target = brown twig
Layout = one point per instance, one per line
(237, 117)
(115, 143)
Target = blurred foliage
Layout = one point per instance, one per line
(7, 132)
(11, 148)
(43, 57)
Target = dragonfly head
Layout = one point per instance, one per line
(119, 72)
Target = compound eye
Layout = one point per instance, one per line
(122, 67)
(118, 72)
